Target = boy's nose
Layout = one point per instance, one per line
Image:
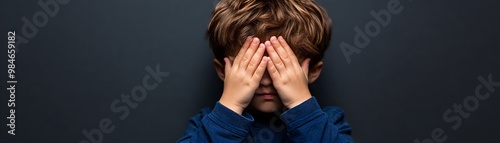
(266, 80)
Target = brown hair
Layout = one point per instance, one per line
(303, 24)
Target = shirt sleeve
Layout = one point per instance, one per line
(218, 125)
(308, 123)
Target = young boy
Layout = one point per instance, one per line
(267, 52)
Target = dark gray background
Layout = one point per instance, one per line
(396, 90)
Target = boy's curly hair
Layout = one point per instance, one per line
(302, 23)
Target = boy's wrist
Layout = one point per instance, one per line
(298, 101)
(235, 108)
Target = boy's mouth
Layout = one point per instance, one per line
(267, 96)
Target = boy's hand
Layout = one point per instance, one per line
(243, 77)
(289, 77)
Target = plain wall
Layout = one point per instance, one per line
(396, 89)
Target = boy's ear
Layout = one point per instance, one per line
(315, 71)
(220, 69)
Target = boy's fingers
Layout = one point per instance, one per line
(273, 72)
(284, 55)
(256, 59)
(275, 58)
(242, 51)
(249, 54)
(305, 66)
(259, 72)
(285, 46)
(227, 65)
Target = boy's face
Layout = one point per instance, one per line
(265, 98)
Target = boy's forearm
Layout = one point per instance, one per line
(218, 125)
(224, 125)
(228, 104)
(309, 122)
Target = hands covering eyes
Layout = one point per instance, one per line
(242, 77)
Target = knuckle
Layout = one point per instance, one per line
(244, 59)
(279, 64)
(240, 76)
(251, 64)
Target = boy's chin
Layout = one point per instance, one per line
(267, 106)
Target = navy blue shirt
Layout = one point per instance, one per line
(305, 123)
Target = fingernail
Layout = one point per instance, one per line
(273, 38)
(255, 40)
(281, 38)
